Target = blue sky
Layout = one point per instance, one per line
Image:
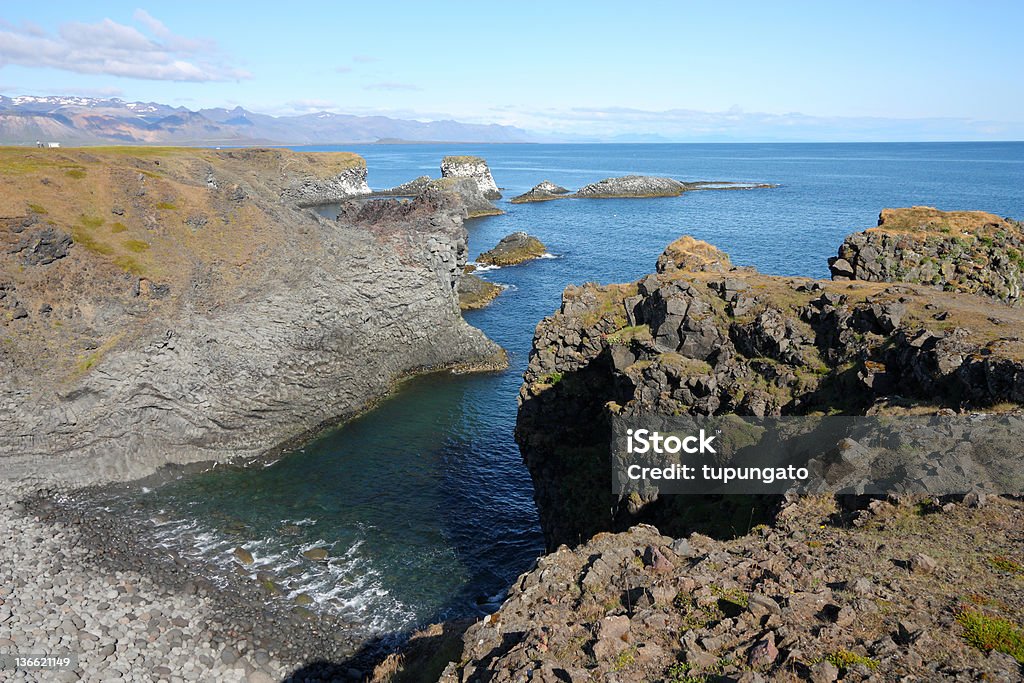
(678, 70)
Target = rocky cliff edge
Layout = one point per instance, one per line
(702, 337)
(960, 251)
(166, 305)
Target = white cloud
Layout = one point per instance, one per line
(153, 52)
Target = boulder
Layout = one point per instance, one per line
(689, 254)
(315, 554)
(243, 555)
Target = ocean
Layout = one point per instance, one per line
(424, 501)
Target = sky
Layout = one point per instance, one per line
(669, 70)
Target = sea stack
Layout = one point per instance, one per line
(471, 167)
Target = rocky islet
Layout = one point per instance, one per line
(512, 250)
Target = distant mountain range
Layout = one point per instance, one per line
(86, 120)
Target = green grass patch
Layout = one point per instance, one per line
(988, 633)
(844, 660)
(1005, 564)
(91, 221)
(128, 264)
(696, 616)
(77, 173)
(137, 246)
(35, 208)
(683, 673)
(118, 227)
(166, 206)
(628, 334)
(86, 363)
(82, 236)
(551, 378)
(624, 659)
(730, 600)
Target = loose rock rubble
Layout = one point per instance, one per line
(119, 624)
(813, 598)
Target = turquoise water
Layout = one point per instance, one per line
(423, 502)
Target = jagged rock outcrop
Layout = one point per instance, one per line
(197, 316)
(716, 340)
(409, 189)
(476, 202)
(962, 251)
(471, 167)
(631, 186)
(477, 205)
(888, 593)
(689, 254)
(322, 186)
(476, 292)
(543, 191)
(512, 250)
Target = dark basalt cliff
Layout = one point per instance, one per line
(961, 251)
(172, 306)
(705, 338)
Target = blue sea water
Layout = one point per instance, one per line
(424, 502)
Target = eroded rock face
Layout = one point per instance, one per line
(513, 249)
(311, 190)
(224, 341)
(543, 191)
(963, 251)
(471, 167)
(474, 199)
(41, 246)
(411, 188)
(714, 341)
(632, 186)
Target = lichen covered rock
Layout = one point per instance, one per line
(513, 249)
(962, 251)
(631, 186)
(476, 292)
(713, 341)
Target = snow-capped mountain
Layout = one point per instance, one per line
(25, 119)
